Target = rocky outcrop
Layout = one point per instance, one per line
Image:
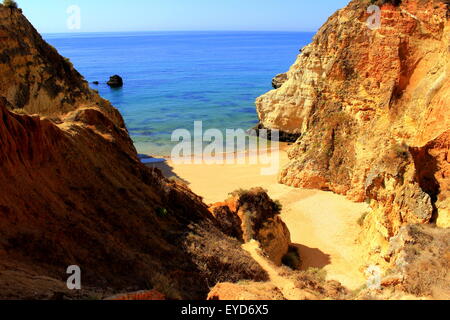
(74, 192)
(252, 215)
(279, 80)
(151, 295)
(432, 163)
(229, 221)
(267, 133)
(373, 111)
(115, 81)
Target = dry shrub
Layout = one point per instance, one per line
(220, 258)
(428, 262)
(314, 280)
(10, 4)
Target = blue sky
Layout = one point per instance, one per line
(164, 15)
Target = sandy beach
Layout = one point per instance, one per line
(323, 225)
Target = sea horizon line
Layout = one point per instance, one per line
(174, 31)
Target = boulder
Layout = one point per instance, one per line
(245, 291)
(148, 295)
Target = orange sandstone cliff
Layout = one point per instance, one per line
(73, 192)
(373, 111)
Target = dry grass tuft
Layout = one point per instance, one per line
(220, 258)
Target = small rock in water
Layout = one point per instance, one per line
(115, 81)
(96, 82)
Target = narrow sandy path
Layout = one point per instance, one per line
(325, 229)
(322, 224)
(286, 286)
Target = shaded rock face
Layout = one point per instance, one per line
(73, 191)
(432, 163)
(279, 80)
(373, 111)
(115, 82)
(252, 215)
(229, 221)
(267, 134)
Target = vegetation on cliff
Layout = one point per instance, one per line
(10, 4)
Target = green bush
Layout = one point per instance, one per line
(10, 4)
(278, 206)
(162, 212)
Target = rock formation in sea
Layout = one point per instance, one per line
(372, 107)
(74, 192)
(115, 81)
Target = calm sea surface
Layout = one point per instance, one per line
(175, 78)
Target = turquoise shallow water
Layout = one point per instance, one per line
(175, 78)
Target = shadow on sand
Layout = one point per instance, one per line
(167, 171)
(312, 257)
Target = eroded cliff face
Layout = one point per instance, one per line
(73, 192)
(373, 111)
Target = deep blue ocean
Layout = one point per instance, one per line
(175, 78)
